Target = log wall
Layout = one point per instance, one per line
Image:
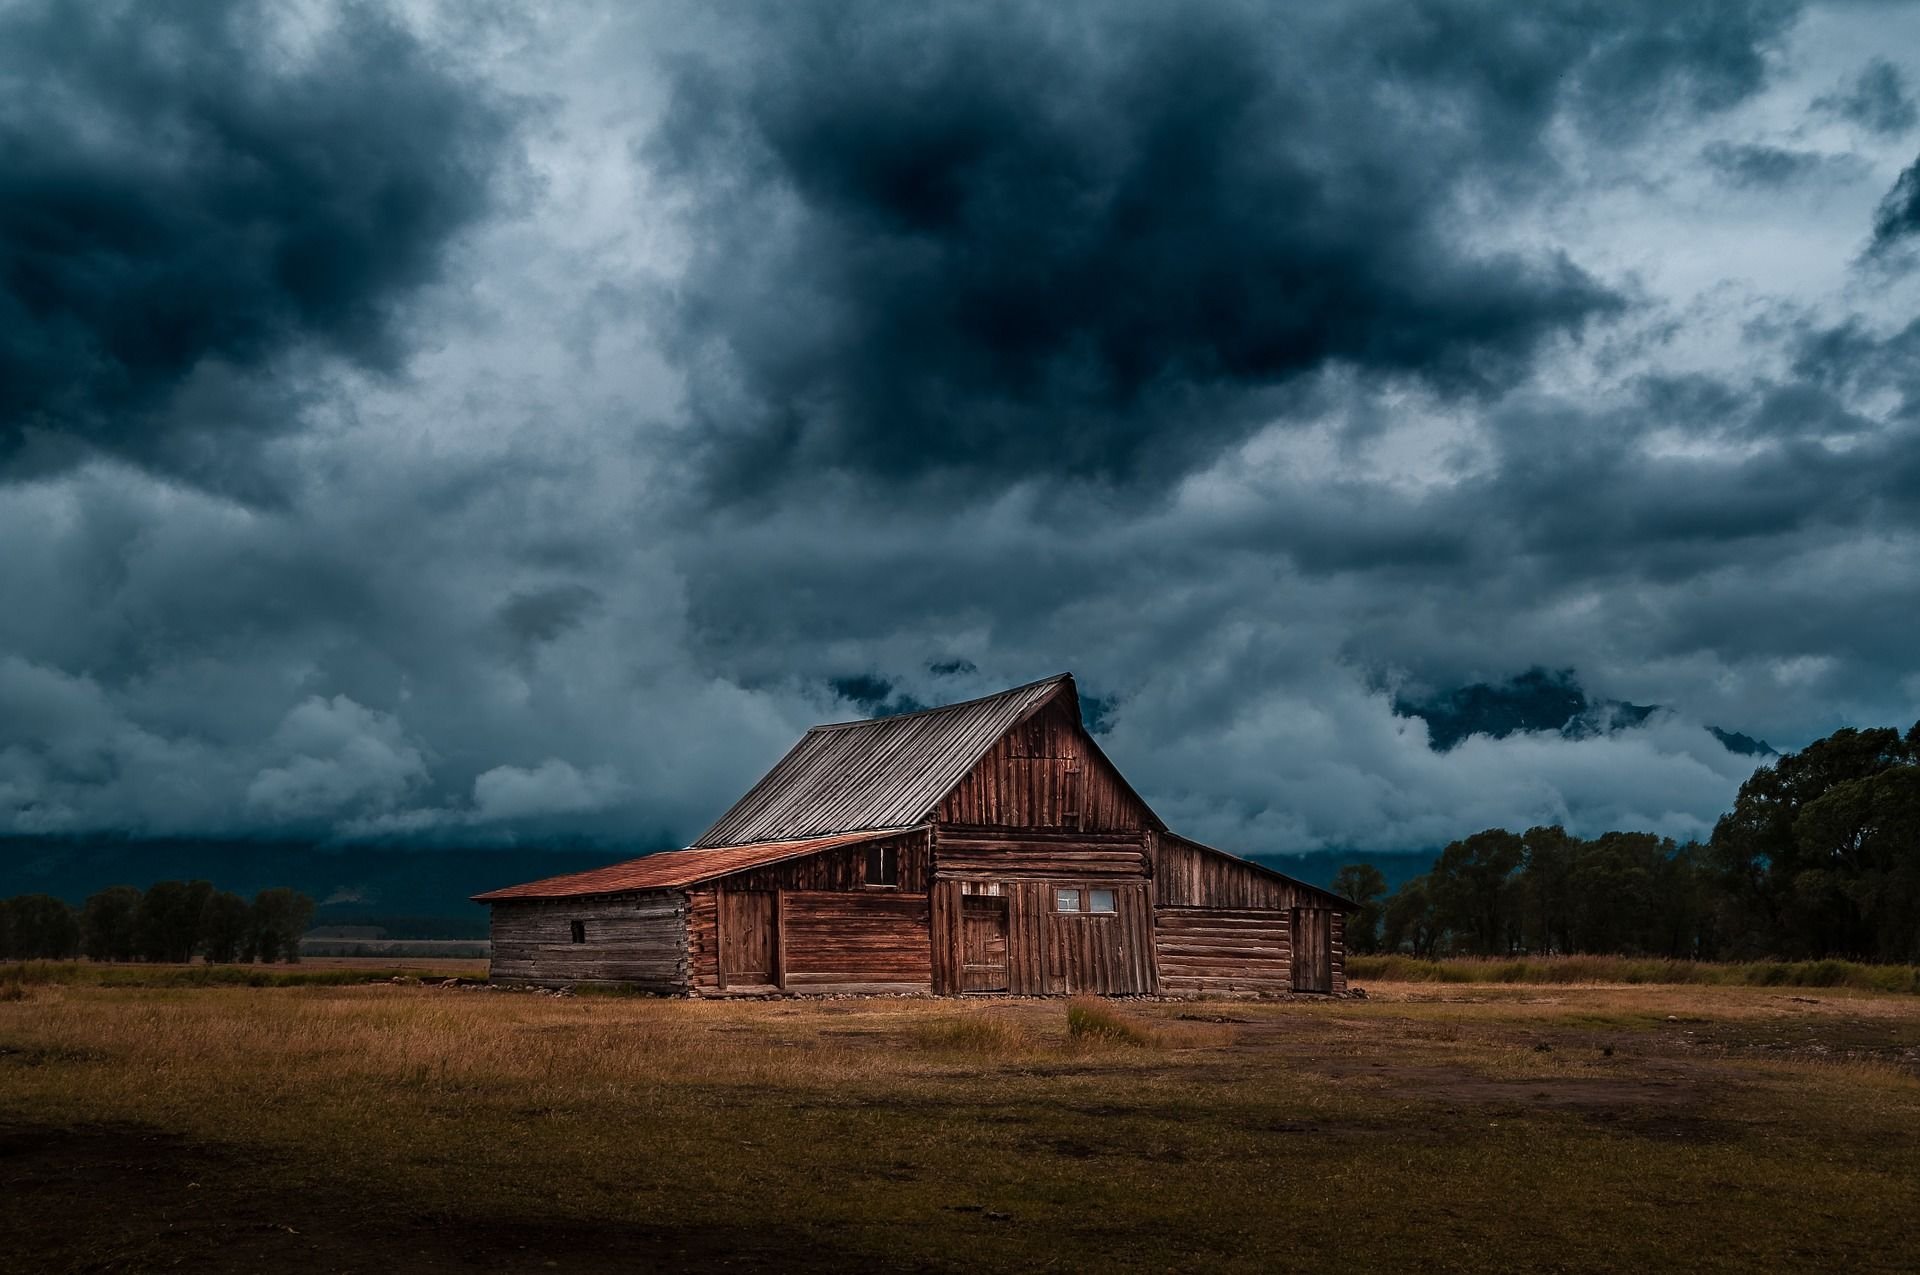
(636, 938)
(1222, 951)
(838, 942)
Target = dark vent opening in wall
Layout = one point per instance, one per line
(579, 931)
(883, 865)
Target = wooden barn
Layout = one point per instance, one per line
(983, 847)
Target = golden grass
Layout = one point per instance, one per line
(1426, 1125)
(1630, 969)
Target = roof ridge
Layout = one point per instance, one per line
(942, 708)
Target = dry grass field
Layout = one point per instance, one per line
(412, 1126)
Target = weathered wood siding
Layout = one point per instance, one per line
(829, 931)
(1045, 773)
(1226, 927)
(1050, 953)
(844, 942)
(632, 938)
(841, 868)
(1187, 874)
(974, 852)
(1223, 951)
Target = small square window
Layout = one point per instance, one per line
(883, 865)
(1100, 901)
(579, 931)
(1066, 900)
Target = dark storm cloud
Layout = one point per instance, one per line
(189, 191)
(1091, 240)
(1897, 220)
(1752, 165)
(1877, 100)
(1850, 359)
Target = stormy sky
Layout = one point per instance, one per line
(452, 424)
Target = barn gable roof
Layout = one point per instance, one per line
(888, 772)
(673, 869)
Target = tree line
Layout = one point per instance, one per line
(1819, 858)
(171, 921)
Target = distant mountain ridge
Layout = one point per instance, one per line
(1541, 700)
(409, 891)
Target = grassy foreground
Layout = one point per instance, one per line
(421, 1127)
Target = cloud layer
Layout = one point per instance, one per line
(445, 428)
(194, 193)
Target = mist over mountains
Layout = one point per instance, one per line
(1541, 700)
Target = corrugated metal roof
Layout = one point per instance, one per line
(886, 773)
(672, 869)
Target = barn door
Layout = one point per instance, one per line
(746, 937)
(983, 943)
(1312, 950)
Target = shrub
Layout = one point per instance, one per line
(1097, 1022)
(973, 1035)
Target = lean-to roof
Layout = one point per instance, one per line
(673, 869)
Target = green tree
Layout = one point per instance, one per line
(1546, 889)
(1475, 890)
(1615, 881)
(107, 923)
(1858, 881)
(1409, 920)
(1685, 920)
(226, 925)
(1813, 859)
(167, 926)
(40, 927)
(280, 917)
(1364, 884)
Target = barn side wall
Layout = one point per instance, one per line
(1223, 951)
(1048, 953)
(1226, 928)
(638, 938)
(832, 933)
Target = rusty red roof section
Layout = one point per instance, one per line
(672, 869)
